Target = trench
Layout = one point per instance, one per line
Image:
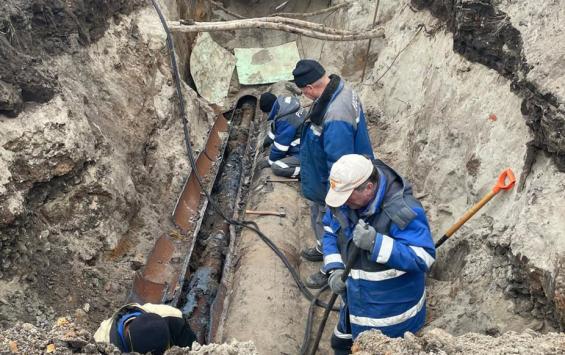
(185, 269)
(224, 279)
(196, 268)
(193, 270)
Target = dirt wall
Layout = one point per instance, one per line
(90, 177)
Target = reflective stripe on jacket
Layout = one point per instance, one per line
(288, 117)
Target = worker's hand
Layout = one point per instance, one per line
(267, 142)
(364, 235)
(262, 164)
(336, 284)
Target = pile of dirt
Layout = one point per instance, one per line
(437, 341)
(66, 337)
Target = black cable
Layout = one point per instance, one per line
(211, 202)
(309, 322)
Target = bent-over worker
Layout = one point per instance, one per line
(146, 328)
(372, 207)
(286, 117)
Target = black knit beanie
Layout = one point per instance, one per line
(266, 102)
(307, 71)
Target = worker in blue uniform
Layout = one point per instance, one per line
(334, 126)
(285, 116)
(372, 207)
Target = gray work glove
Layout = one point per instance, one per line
(336, 285)
(364, 236)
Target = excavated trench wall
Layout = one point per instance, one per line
(456, 92)
(91, 151)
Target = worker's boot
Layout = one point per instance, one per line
(312, 254)
(316, 280)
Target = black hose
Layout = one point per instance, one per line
(350, 261)
(245, 224)
(310, 321)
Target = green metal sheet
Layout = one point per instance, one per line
(211, 67)
(266, 65)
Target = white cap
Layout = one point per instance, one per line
(349, 172)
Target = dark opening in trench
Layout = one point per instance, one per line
(203, 277)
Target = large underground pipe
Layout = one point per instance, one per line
(214, 236)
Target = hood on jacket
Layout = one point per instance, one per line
(286, 105)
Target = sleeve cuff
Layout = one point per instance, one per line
(333, 261)
(382, 249)
(333, 266)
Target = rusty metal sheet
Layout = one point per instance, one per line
(160, 276)
(186, 210)
(266, 65)
(151, 284)
(144, 291)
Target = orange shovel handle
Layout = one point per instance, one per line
(500, 185)
(506, 174)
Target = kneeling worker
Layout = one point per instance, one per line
(372, 207)
(148, 328)
(286, 118)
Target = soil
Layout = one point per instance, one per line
(34, 30)
(437, 341)
(92, 161)
(90, 177)
(66, 337)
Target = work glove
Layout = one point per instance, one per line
(267, 142)
(262, 164)
(336, 284)
(364, 235)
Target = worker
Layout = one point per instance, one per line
(334, 126)
(148, 328)
(372, 207)
(286, 118)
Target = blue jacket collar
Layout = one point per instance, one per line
(377, 200)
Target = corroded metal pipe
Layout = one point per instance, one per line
(204, 282)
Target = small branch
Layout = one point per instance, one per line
(306, 24)
(184, 26)
(288, 21)
(370, 41)
(231, 13)
(397, 55)
(315, 13)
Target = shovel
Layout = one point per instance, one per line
(500, 185)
